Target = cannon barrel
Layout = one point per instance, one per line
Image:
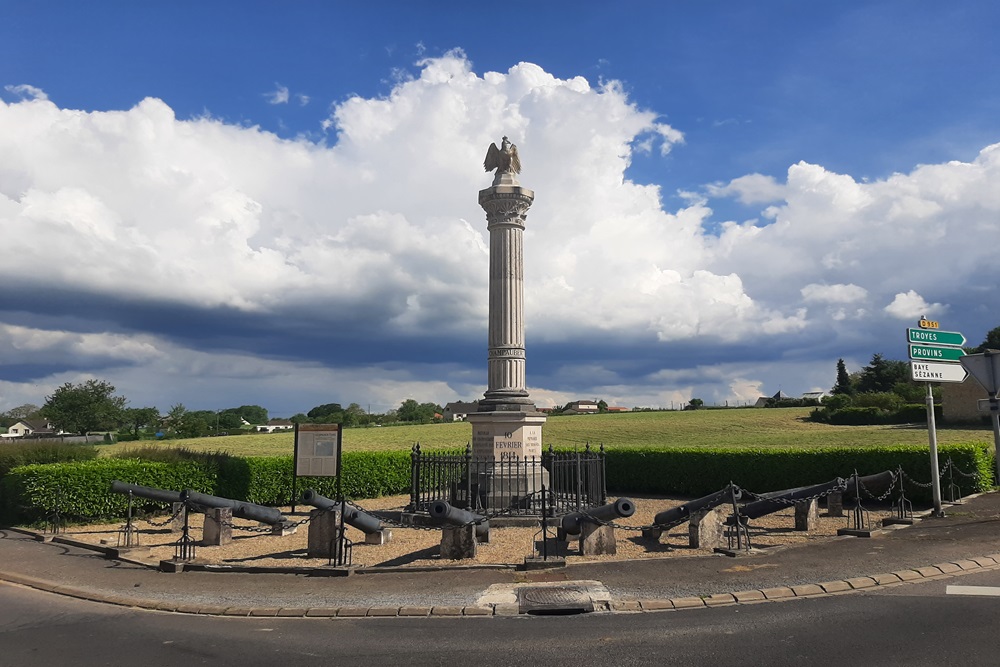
(159, 495)
(353, 516)
(241, 509)
(779, 500)
(876, 484)
(444, 512)
(620, 509)
(675, 514)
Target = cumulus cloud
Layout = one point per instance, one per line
(374, 238)
(910, 305)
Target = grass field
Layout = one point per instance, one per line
(778, 427)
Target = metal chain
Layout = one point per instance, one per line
(892, 485)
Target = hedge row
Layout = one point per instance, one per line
(81, 490)
(698, 472)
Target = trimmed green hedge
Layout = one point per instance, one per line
(82, 490)
(699, 471)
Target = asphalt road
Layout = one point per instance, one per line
(913, 624)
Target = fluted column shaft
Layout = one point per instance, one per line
(506, 208)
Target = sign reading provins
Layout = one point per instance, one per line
(933, 353)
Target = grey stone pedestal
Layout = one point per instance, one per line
(705, 530)
(458, 542)
(807, 515)
(835, 504)
(218, 527)
(597, 540)
(324, 531)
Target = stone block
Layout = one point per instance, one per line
(597, 540)
(705, 530)
(458, 542)
(835, 504)
(324, 531)
(218, 527)
(378, 537)
(807, 515)
(178, 511)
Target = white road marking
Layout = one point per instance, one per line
(991, 591)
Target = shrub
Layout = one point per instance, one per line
(44, 451)
(883, 400)
(80, 491)
(699, 471)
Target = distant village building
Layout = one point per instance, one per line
(581, 408)
(457, 411)
(618, 409)
(30, 427)
(275, 425)
(814, 395)
(762, 401)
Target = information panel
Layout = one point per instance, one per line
(317, 450)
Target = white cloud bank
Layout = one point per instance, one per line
(139, 206)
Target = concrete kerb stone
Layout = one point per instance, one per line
(948, 568)
(835, 586)
(806, 590)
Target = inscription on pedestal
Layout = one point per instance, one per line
(507, 438)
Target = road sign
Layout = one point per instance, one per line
(931, 353)
(985, 367)
(935, 337)
(934, 371)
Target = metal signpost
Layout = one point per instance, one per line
(933, 357)
(985, 367)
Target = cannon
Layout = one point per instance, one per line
(353, 516)
(779, 500)
(445, 513)
(240, 509)
(683, 512)
(620, 509)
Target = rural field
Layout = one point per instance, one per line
(758, 428)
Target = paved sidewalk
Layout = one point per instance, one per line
(966, 540)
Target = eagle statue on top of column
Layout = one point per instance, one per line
(503, 159)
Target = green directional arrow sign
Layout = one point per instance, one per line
(931, 353)
(935, 337)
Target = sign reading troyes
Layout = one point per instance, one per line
(317, 450)
(934, 352)
(935, 337)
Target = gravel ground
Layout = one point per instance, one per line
(415, 547)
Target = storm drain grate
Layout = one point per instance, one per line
(554, 600)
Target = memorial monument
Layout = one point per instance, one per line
(507, 426)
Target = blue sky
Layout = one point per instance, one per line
(275, 203)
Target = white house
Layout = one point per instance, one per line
(275, 425)
(457, 411)
(29, 427)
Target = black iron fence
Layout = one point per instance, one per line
(509, 485)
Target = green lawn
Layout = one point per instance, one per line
(776, 427)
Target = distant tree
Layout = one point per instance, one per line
(85, 407)
(411, 411)
(137, 419)
(254, 414)
(229, 419)
(299, 418)
(322, 412)
(26, 411)
(696, 403)
(843, 385)
(602, 406)
(355, 415)
(881, 375)
(991, 342)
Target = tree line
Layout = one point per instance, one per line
(95, 406)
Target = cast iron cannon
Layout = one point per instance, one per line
(445, 513)
(779, 500)
(353, 516)
(620, 509)
(683, 512)
(240, 509)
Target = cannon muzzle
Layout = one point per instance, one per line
(148, 492)
(445, 513)
(620, 509)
